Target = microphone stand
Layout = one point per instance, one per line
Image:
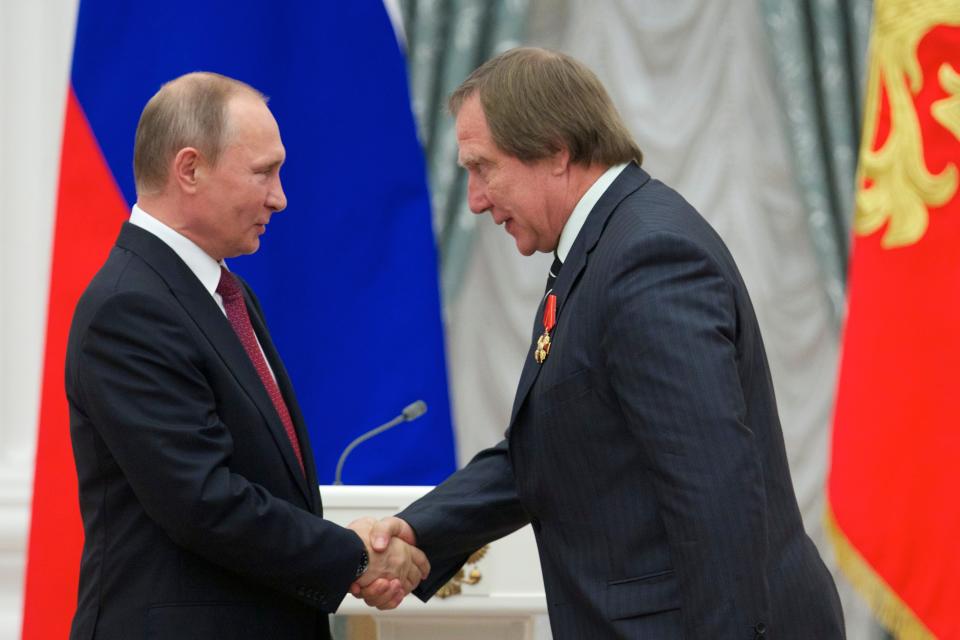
(410, 412)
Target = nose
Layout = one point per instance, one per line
(276, 198)
(477, 198)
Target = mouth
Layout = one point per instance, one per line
(504, 220)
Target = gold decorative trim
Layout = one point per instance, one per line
(455, 586)
(890, 610)
(947, 110)
(893, 183)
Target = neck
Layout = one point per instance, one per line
(584, 178)
(579, 180)
(175, 214)
(159, 207)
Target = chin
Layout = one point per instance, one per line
(524, 245)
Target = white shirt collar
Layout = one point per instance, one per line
(579, 216)
(197, 260)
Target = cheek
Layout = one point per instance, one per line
(248, 197)
(505, 195)
(489, 191)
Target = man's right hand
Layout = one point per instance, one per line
(389, 539)
(388, 528)
(395, 567)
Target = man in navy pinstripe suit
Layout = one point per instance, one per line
(645, 449)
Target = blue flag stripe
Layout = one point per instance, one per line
(348, 273)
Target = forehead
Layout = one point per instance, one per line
(473, 134)
(251, 124)
(248, 115)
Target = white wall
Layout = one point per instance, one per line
(36, 40)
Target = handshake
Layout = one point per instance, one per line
(395, 566)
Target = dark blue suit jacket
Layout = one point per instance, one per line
(198, 520)
(646, 451)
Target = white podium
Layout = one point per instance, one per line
(500, 598)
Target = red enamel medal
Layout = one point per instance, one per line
(549, 321)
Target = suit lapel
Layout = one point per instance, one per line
(629, 180)
(214, 324)
(530, 368)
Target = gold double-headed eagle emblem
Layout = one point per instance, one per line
(893, 182)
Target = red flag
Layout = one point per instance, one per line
(894, 478)
(123, 52)
(90, 210)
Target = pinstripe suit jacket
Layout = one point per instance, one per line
(646, 451)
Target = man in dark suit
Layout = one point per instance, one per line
(644, 446)
(198, 490)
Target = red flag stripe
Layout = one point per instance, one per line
(90, 209)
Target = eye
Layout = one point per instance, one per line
(268, 170)
(478, 169)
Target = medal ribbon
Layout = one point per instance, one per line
(550, 313)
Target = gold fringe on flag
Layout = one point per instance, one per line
(890, 610)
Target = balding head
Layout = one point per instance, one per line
(189, 111)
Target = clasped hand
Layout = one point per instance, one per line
(395, 565)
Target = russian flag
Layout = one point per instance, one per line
(347, 274)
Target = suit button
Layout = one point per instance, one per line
(761, 630)
(535, 524)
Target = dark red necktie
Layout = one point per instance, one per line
(236, 308)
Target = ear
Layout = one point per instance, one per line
(560, 161)
(186, 169)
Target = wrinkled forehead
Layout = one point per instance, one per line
(474, 142)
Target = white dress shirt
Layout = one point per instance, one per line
(579, 216)
(197, 260)
(202, 265)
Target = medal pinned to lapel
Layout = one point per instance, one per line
(549, 321)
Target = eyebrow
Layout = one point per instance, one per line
(269, 164)
(471, 161)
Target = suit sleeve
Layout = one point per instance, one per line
(670, 348)
(142, 382)
(471, 508)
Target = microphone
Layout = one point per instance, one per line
(410, 412)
